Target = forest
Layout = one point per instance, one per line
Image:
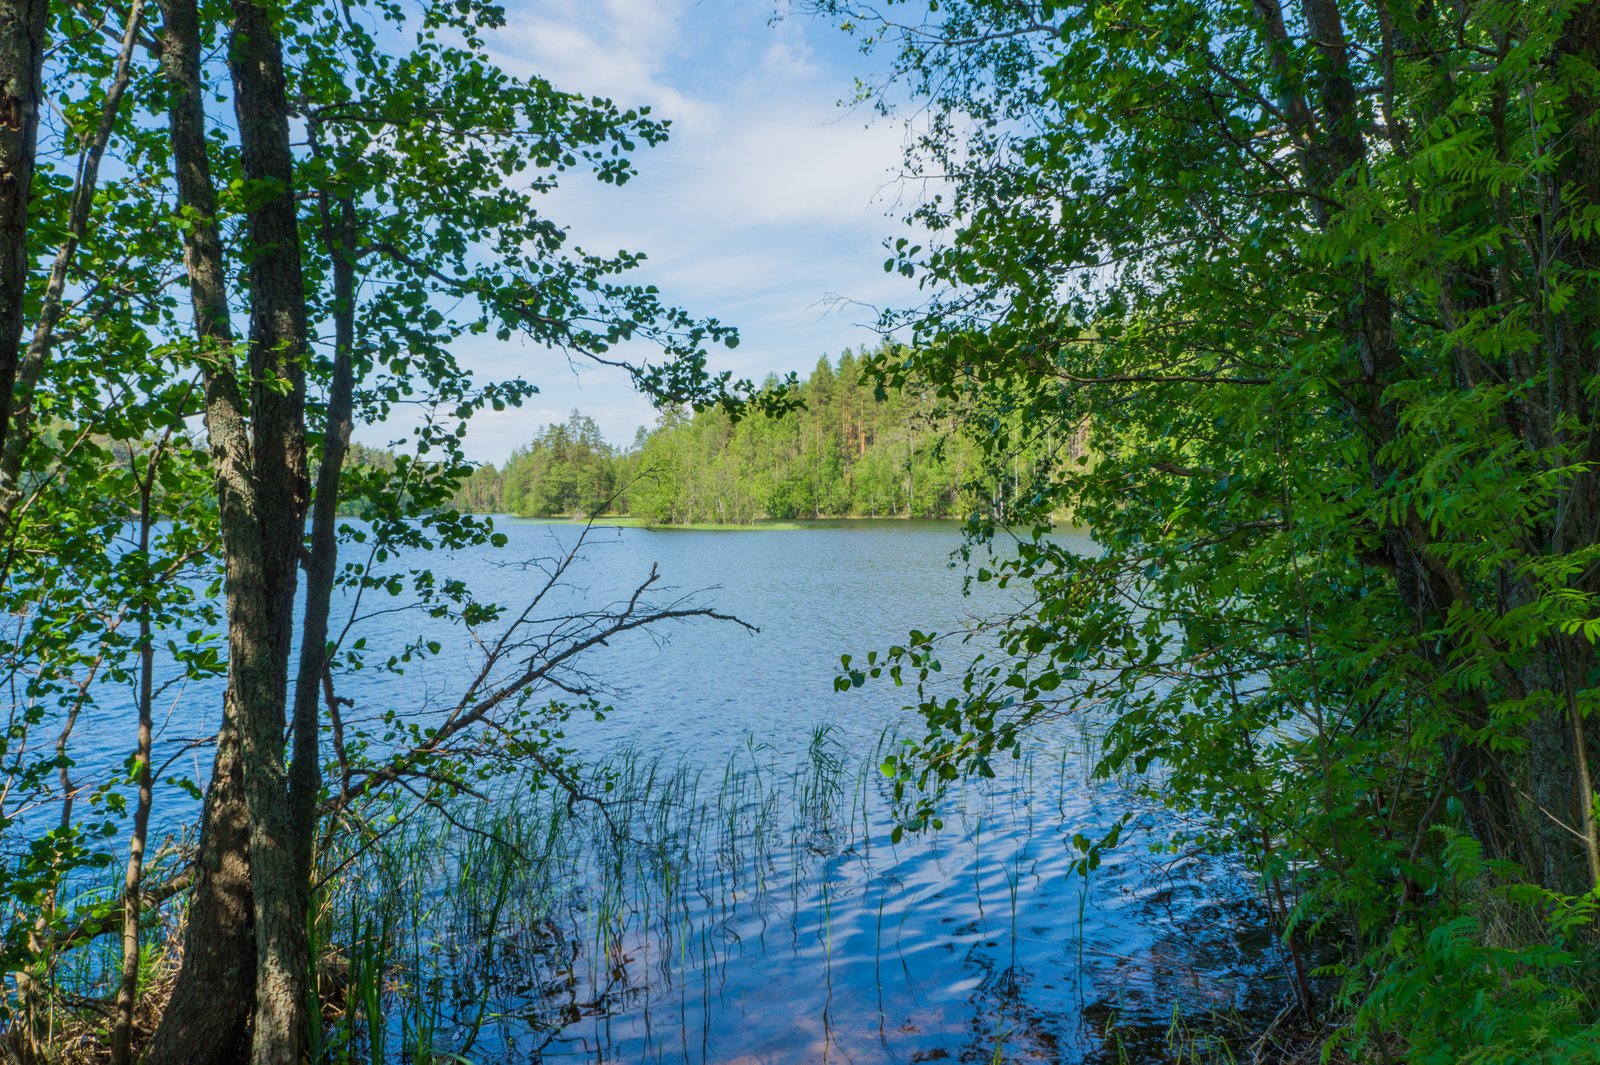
(843, 453)
(1281, 750)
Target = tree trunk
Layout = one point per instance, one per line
(128, 991)
(1577, 189)
(306, 771)
(1549, 764)
(206, 1020)
(28, 370)
(1571, 335)
(263, 556)
(23, 32)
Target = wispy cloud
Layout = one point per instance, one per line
(767, 199)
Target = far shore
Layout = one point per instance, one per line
(625, 521)
(768, 524)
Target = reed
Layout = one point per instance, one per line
(529, 925)
(512, 920)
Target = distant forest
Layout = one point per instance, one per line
(845, 454)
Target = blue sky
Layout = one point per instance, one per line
(768, 201)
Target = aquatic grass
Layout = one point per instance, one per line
(532, 923)
(645, 895)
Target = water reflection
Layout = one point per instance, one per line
(743, 902)
(766, 916)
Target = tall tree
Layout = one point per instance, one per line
(209, 1010)
(1321, 278)
(377, 172)
(368, 151)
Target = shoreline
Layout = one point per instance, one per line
(624, 521)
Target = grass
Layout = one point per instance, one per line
(549, 912)
(517, 928)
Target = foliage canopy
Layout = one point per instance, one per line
(360, 185)
(1324, 279)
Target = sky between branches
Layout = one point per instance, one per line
(768, 201)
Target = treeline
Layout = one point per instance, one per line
(567, 469)
(845, 453)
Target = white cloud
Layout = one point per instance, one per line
(616, 48)
(766, 200)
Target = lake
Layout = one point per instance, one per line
(752, 907)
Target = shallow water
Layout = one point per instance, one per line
(785, 933)
(951, 946)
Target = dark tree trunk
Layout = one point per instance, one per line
(1552, 774)
(1572, 335)
(128, 990)
(262, 563)
(1576, 187)
(23, 30)
(206, 1020)
(262, 487)
(1578, 176)
(306, 771)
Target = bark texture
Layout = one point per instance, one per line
(1534, 806)
(206, 1021)
(128, 989)
(262, 562)
(208, 1016)
(1573, 334)
(23, 29)
(250, 831)
(323, 560)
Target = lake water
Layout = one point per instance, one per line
(764, 915)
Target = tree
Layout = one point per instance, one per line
(1321, 281)
(567, 469)
(847, 451)
(22, 49)
(376, 167)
